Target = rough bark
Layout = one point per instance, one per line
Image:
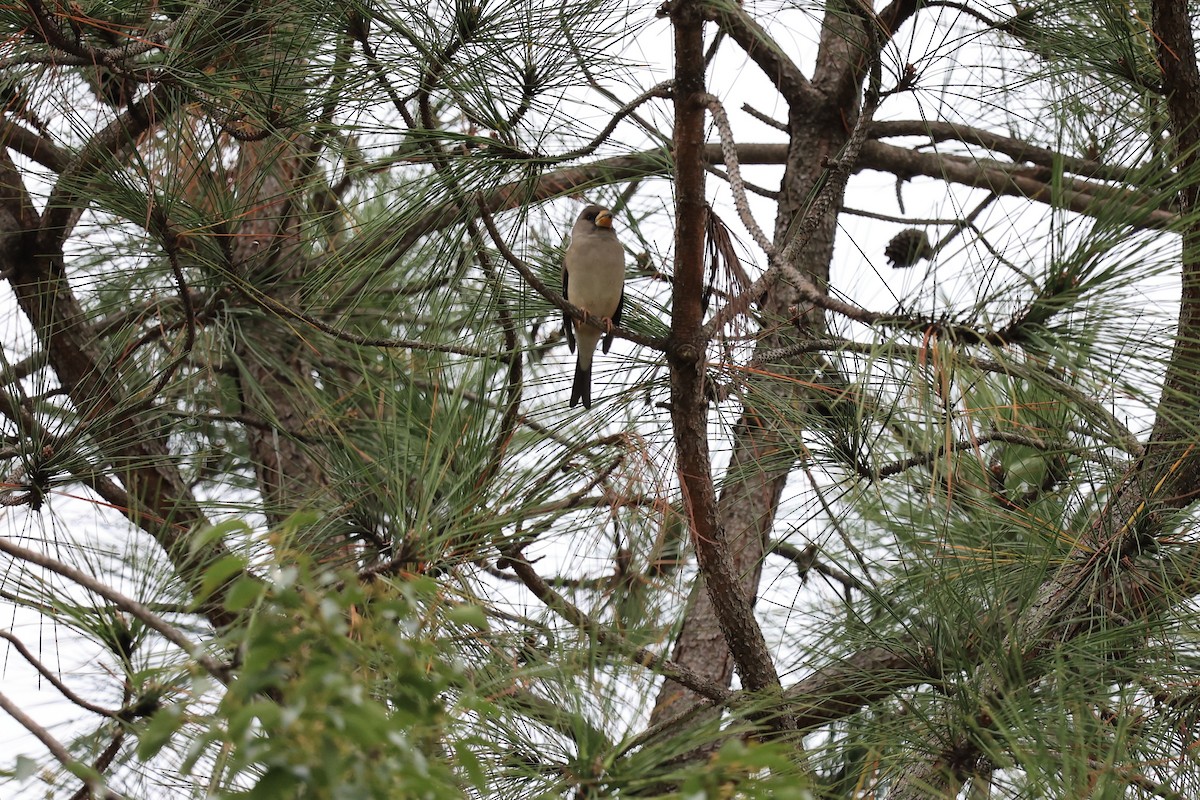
(727, 597)
(272, 380)
(763, 455)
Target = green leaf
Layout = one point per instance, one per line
(158, 732)
(25, 768)
(244, 592)
(219, 573)
(276, 783)
(471, 615)
(204, 537)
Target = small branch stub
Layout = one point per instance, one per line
(687, 354)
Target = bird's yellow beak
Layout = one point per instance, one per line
(604, 220)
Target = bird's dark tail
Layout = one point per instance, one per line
(582, 388)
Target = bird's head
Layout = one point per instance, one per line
(599, 216)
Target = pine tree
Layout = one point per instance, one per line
(295, 504)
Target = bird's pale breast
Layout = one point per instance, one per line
(597, 275)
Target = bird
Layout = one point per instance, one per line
(593, 279)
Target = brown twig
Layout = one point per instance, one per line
(60, 753)
(639, 655)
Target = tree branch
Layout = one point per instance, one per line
(53, 679)
(639, 655)
(685, 355)
(1016, 149)
(56, 749)
(762, 48)
(127, 604)
(1012, 180)
(34, 147)
(1138, 209)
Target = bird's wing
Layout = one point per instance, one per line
(567, 326)
(616, 320)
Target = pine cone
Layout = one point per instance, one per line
(908, 247)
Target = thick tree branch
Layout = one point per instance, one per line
(685, 355)
(1137, 208)
(1012, 180)
(849, 684)
(1017, 149)
(1174, 435)
(896, 14)
(762, 48)
(33, 146)
(1032, 183)
(135, 45)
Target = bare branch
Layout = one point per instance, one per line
(1140, 209)
(1016, 149)
(729, 153)
(34, 147)
(764, 118)
(762, 48)
(56, 749)
(663, 89)
(1080, 196)
(49, 675)
(127, 604)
